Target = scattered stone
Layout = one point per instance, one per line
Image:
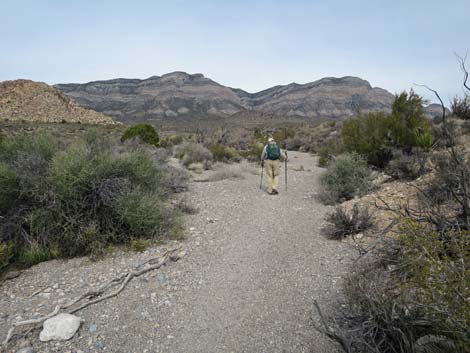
(60, 327)
(92, 328)
(11, 274)
(99, 345)
(176, 256)
(25, 350)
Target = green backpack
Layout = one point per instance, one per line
(273, 152)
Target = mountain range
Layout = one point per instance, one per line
(181, 96)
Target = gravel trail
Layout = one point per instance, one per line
(254, 266)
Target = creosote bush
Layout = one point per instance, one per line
(416, 304)
(145, 132)
(77, 199)
(377, 135)
(223, 153)
(348, 176)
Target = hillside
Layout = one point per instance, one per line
(179, 95)
(25, 100)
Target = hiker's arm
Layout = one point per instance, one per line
(263, 154)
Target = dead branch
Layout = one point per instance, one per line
(345, 343)
(97, 295)
(462, 61)
(438, 97)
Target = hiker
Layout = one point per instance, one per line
(271, 159)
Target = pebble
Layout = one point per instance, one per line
(92, 328)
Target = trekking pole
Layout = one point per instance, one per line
(261, 183)
(286, 168)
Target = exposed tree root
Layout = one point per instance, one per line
(103, 292)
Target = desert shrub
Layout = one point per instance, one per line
(9, 188)
(344, 223)
(293, 143)
(436, 268)
(346, 178)
(140, 245)
(375, 135)
(254, 152)
(324, 157)
(446, 134)
(145, 132)
(368, 135)
(190, 153)
(174, 179)
(416, 305)
(407, 167)
(460, 107)
(223, 153)
(6, 254)
(170, 141)
(281, 135)
(77, 200)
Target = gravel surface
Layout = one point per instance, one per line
(254, 265)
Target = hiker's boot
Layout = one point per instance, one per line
(275, 192)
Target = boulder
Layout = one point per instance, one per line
(60, 327)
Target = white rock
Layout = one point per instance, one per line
(60, 327)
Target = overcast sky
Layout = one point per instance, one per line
(244, 44)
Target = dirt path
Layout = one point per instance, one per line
(255, 264)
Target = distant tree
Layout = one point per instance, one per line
(145, 132)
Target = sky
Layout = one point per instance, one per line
(245, 44)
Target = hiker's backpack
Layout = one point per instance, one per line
(273, 152)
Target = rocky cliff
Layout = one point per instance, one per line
(24, 100)
(180, 95)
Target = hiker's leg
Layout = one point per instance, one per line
(269, 175)
(276, 167)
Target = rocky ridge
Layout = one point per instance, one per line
(25, 100)
(179, 95)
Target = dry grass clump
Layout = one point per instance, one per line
(344, 223)
(226, 171)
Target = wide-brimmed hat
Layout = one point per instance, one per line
(270, 139)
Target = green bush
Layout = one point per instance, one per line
(223, 153)
(6, 254)
(376, 135)
(368, 135)
(145, 132)
(346, 178)
(77, 200)
(324, 157)
(9, 188)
